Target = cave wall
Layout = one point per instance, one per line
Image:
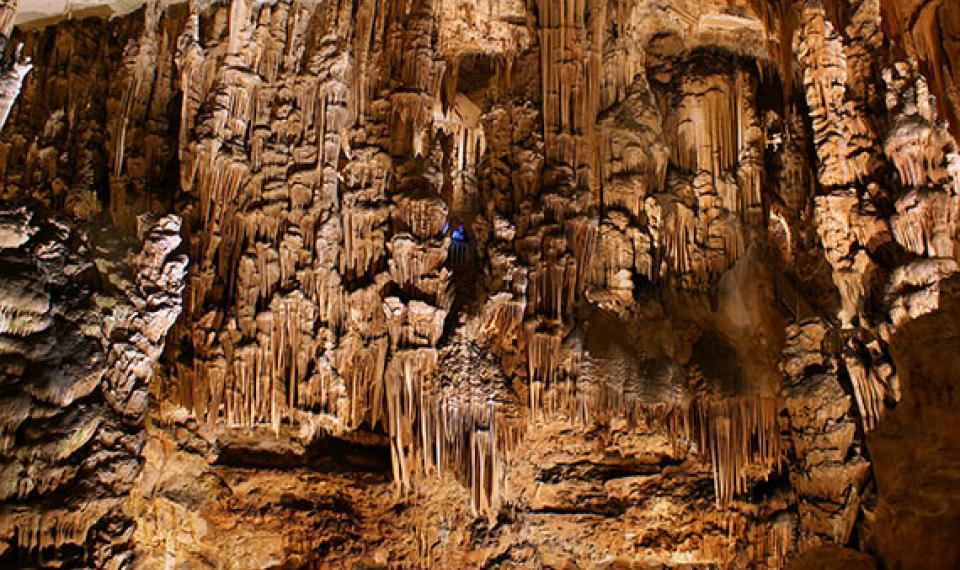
(485, 283)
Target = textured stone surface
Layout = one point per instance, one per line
(495, 283)
(80, 337)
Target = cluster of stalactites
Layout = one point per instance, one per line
(739, 436)
(266, 236)
(54, 529)
(735, 433)
(356, 357)
(920, 147)
(873, 379)
(258, 375)
(571, 40)
(699, 215)
(435, 430)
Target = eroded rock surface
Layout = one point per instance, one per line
(497, 283)
(81, 335)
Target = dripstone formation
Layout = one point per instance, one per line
(480, 284)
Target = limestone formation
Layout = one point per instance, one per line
(477, 283)
(81, 336)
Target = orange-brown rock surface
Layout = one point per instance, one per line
(479, 284)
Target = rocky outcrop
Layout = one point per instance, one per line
(81, 338)
(828, 471)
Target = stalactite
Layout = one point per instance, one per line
(543, 355)
(706, 139)
(570, 69)
(873, 379)
(677, 235)
(735, 433)
(189, 60)
(144, 67)
(582, 238)
(553, 288)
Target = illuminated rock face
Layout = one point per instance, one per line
(497, 283)
(81, 336)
